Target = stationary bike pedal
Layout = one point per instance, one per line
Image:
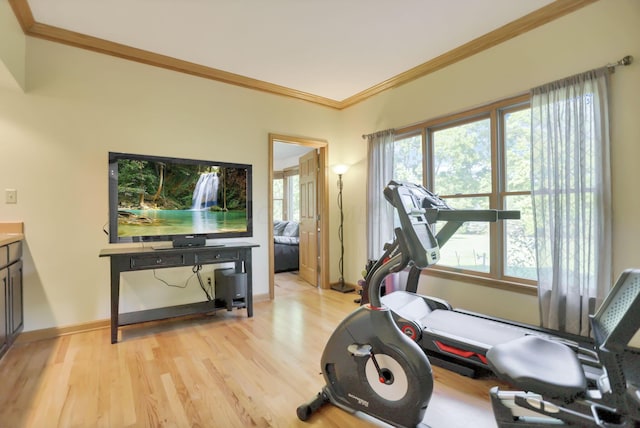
(359, 350)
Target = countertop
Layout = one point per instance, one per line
(8, 238)
(11, 232)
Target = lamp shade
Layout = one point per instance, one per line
(340, 169)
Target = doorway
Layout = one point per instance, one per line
(321, 195)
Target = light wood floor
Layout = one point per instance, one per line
(225, 370)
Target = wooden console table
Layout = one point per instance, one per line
(134, 259)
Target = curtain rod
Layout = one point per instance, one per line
(377, 134)
(627, 60)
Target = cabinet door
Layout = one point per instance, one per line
(15, 301)
(4, 310)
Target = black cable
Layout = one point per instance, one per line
(196, 270)
(186, 283)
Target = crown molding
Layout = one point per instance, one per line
(515, 28)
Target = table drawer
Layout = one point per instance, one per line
(140, 262)
(217, 257)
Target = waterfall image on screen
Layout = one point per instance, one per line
(160, 198)
(206, 192)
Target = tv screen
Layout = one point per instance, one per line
(155, 198)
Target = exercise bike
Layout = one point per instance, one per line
(368, 364)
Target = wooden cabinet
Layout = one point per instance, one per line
(11, 304)
(4, 292)
(14, 303)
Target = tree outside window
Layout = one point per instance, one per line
(407, 159)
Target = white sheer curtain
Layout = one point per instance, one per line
(571, 190)
(379, 211)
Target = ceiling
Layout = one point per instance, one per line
(286, 155)
(332, 52)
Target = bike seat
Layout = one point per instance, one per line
(539, 365)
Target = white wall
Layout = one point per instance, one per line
(55, 137)
(12, 49)
(589, 38)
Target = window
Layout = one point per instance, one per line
(278, 197)
(478, 160)
(286, 195)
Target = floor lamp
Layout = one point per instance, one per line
(341, 286)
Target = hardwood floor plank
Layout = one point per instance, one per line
(222, 370)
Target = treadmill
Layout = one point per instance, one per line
(454, 339)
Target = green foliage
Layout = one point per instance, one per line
(138, 181)
(134, 178)
(517, 141)
(235, 189)
(407, 159)
(462, 159)
(521, 252)
(180, 182)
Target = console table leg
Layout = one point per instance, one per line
(115, 301)
(248, 269)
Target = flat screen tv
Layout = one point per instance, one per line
(154, 198)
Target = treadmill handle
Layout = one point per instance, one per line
(509, 215)
(472, 215)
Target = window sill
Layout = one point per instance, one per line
(512, 286)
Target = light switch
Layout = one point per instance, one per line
(11, 196)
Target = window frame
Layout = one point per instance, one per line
(496, 112)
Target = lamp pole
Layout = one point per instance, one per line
(341, 286)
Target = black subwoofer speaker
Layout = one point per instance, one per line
(231, 287)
